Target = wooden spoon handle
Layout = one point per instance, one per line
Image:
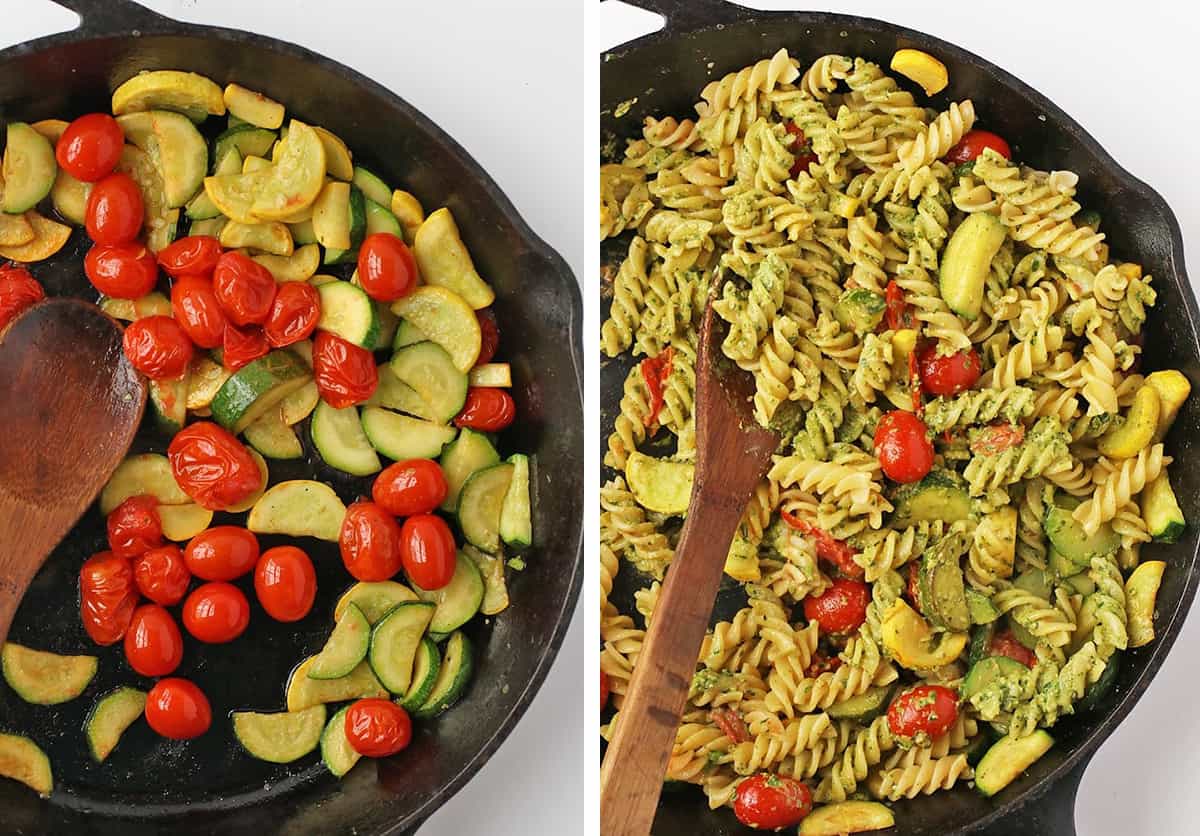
(22, 535)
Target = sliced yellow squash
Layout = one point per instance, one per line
(443, 260)
(331, 216)
(922, 68)
(15, 230)
(297, 177)
(23, 760)
(445, 318)
(300, 508)
(52, 129)
(191, 94)
(48, 238)
(269, 237)
(408, 212)
(253, 107)
(146, 473)
(183, 522)
(338, 159)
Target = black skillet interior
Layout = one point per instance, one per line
(705, 39)
(152, 786)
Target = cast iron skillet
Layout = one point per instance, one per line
(208, 785)
(665, 72)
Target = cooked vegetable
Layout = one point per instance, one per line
(394, 643)
(304, 692)
(432, 374)
(516, 516)
(912, 642)
(281, 737)
(254, 108)
(1173, 389)
(339, 438)
(374, 599)
(922, 68)
(110, 717)
(470, 452)
(1135, 434)
(145, 473)
(1141, 594)
(444, 260)
(299, 266)
(1161, 511)
(23, 760)
(258, 388)
(1008, 758)
(459, 600)
(847, 817)
(28, 169)
(452, 679)
(346, 647)
(966, 261)
(46, 678)
(479, 505)
(48, 238)
(660, 485)
(400, 437)
(188, 93)
(300, 508)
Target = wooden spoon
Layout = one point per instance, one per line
(70, 404)
(733, 453)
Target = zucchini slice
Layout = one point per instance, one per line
(257, 388)
(966, 261)
(496, 375)
(337, 754)
(495, 585)
(168, 402)
(374, 598)
(45, 678)
(452, 678)
(247, 140)
(337, 156)
(348, 312)
(205, 379)
(1164, 518)
(940, 583)
(847, 817)
(182, 156)
(1102, 687)
(1173, 389)
(300, 266)
(209, 226)
(201, 207)
(299, 508)
(299, 405)
(446, 319)
(379, 219)
(988, 670)
(273, 438)
(251, 107)
(23, 760)
(331, 216)
(864, 707)
(152, 304)
(29, 168)
(339, 438)
(458, 601)
(111, 715)
(394, 643)
(426, 666)
(479, 505)
(391, 393)
(942, 495)
(470, 452)
(1141, 421)
(281, 736)
(371, 186)
(70, 199)
(183, 522)
(443, 260)
(660, 485)
(1067, 536)
(304, 692)
(407, 334)
(516, 517)
(48, 238)
(191, 94)
(400, 437)
(1007, 758)
(346, 647)
(430, 372)
(145, 473)
(1141, 594)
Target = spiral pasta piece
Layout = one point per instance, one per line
(1130, 477)
(650, 551)
(629, 289)
(979, 406)
(942, 134)
(923, 779)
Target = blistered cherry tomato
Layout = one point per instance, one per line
(345, 374)
(1005, 644)
(914, 585)
(18, 291)
(427, 551)
(216, 612)
(124, 271)
(90, 147)
(177, 709)
(605, 687)
(244, 288)
(370, 542)
(212, 466)
(285, 583)
(243, 346)
(294, 314)
(731, 724)
(386, 268)
(924, 710)
(195, 306)
(195, 255)
(772, 802)
(842, 608)
(996, 438)
(972, 146)
(158, 347)
(107, 596)
(898, 313)
(377, 728)
(222, 553)
(114, 210)
(489, 336)
(153, 645)
(903, 447)
(416, 486)
(487, 409)
(134, 526)
(801, 148)
(656, 371)
(162, 575)
(947, 374)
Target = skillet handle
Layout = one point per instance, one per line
(113, 16)
(1053, 814)
(689, 15)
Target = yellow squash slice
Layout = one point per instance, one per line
(191, 94)
(48, 238)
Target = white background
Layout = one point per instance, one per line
(1126, 72)
(499, 78)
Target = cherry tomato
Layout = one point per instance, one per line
(1005, 644)
(947, 374)
(195, 255)
(212, 466)
(18, 290)
(195, 306)
(821, 663)
(345, 374)
(377, 728)
(772, 802)
(134, 526)
(487, 409)
(802, 149)
(114, 210)
(903, 447)
(914, 586)
(899, 313)
(244, 288)
(604, 690)
(386, 268)
(972, 145)
(489, 336)
(124, 271)
(162, 575)
(107, 596)
(996, 438)
(216, 612)
(370, 542)
(294, 314)
(177, 709)
(285, 583)
(90, 147)
(842, 608)
(416, 486)
(427, 551)
(924, 710)
(730, 723)
(153, 644)
(242, 346)
(829, 548)
(222, 553)
(158, 347)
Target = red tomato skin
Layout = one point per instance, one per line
(427, 551)
(134, 527)
(212, 466)
(950, 374)
(914, 586)
(162, 575)
(285, 583)
(18, 291)
(242, 346)
(158, 347)
(416, 486)
(114, 210)
(378, 728)
(107, 597)
(216, 612)
(605, 688)
(153, 644)
(903, 447)
(90, 147)
(924, 710)
(244, 288)
(177, 709)
(801, 148)
(772, 802)
(345, 374)
(487, 410)
(222, 553)
(1004, 644)
(489, 335)
(294, 314)
(370, 542)
(842, 608)
(195, 255)
(123, 271)
(386, 267)
(197, 311)
(972, 145)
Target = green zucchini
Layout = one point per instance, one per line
(258, 387)
(372, 187)
(987, 671)
(458, 601)
(273, 438)
(981, 608)
(966, 260)
(981, 641)
(374, 598)
(110, 717)
(391, 393)
(940, 580)
(424, 675)
(345, 648)
(942, 495)
(479, 505)
(45, 678)
(248, 140)
(281, 736)
(470, 452)
(452, 678)
(1102, 687)
(864, 707)
(495, 375)
(1164, 518)
(1008, 757)
(303, 692)
(379, 219)
(337, 754)
(338, 436)
(430, 372)
(407, 334)
(516, 516)
(859, 310)
(1067, 536)
(348, 312)
(29, 168)
(401, 437)
(394, 643)
(23, 760)
(168, 398)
